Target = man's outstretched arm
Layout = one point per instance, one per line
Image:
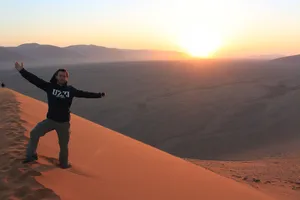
(84, 94)
(40, 83)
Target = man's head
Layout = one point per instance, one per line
(60, 77)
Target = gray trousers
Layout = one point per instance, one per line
(63, 132)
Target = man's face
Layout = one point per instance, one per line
(62, 77)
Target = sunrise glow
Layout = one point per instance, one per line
(200, 44)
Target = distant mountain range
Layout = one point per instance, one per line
(49, 54)
(40, 55)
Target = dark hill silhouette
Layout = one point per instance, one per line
(7, 55)
(99, 53)
(295, 59)
(47, 52)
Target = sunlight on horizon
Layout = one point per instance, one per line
(199, 43)
(200, 27)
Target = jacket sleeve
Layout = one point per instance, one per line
(84, 94)
(40, 83)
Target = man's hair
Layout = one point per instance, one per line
(53, 80)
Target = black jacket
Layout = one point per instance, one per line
(59, 97)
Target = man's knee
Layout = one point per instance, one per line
(34, 134)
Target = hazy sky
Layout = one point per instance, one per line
(230, 27)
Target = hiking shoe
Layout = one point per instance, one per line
(65, 166)
(35, 156)
(30, 159)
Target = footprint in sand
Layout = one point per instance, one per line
(17, 143)
(4, 169)
(28, 175)
(41, 194)
(3, 185)
(25, 192)
(54, 164)
(21, 192)
(16, 139)
(15, 151)
(4, 189)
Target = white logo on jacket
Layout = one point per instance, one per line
(61, 94)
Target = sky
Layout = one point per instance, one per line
(219, 28)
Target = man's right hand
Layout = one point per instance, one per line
(18, 66)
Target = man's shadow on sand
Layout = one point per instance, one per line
(54, 164)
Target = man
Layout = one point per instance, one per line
(60, 96)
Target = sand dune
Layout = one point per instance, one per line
(106, 165)
(277, 176)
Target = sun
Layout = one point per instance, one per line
(199, 44)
